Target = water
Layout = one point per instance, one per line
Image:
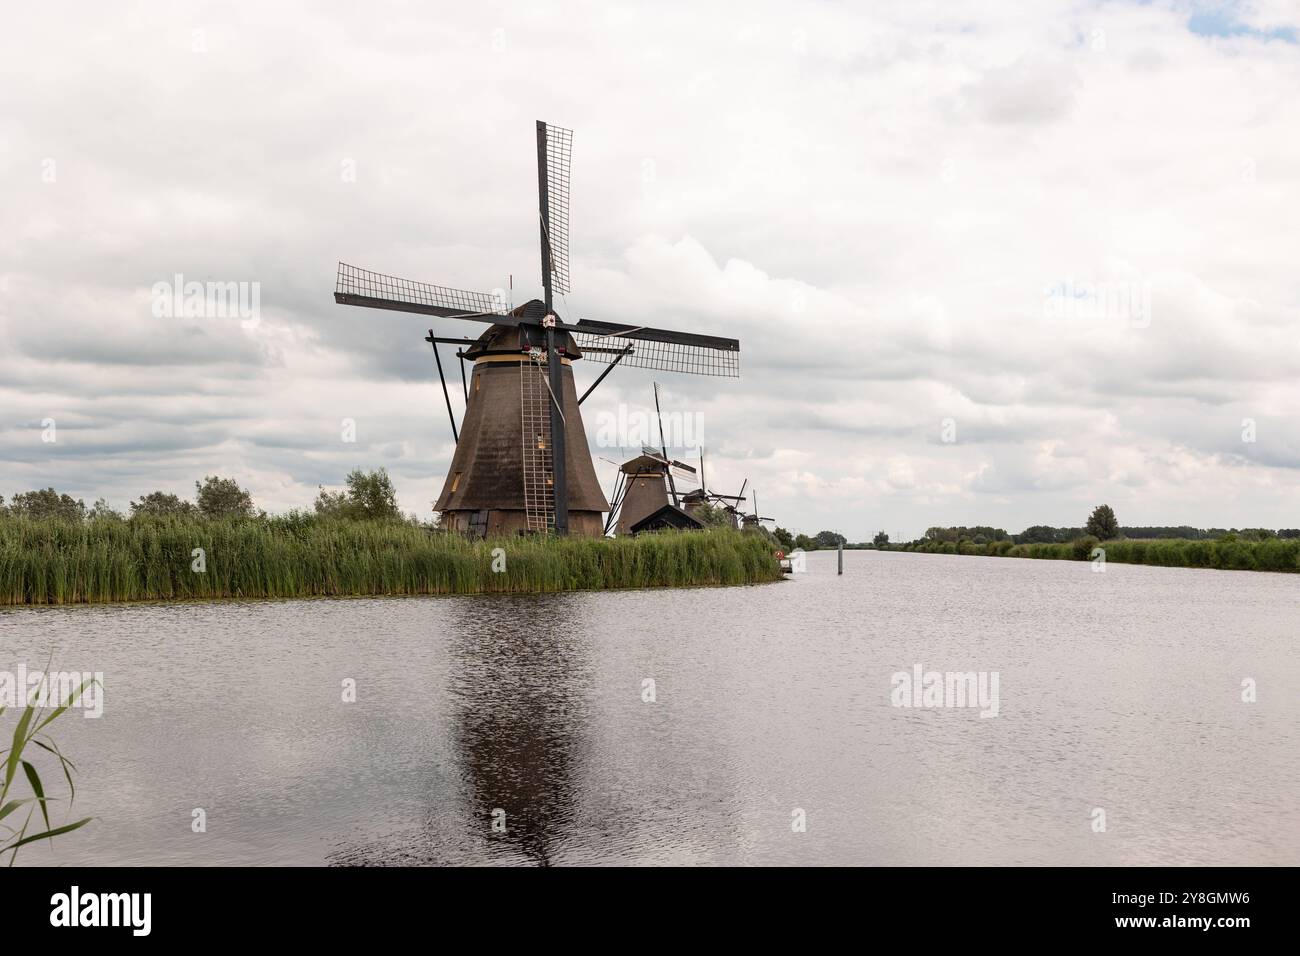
(1120, 691)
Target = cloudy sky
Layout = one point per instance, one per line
(989, 262)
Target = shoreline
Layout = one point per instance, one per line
(173, 561)
(284, 599)
(1279, 556)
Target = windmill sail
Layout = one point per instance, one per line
(658, 348)
(375, 290)
(555, 147)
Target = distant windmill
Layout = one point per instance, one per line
(754, 520)
(694, 501)
(733, 509)
(647, 489)
(521, 461)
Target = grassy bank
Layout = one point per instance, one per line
(1223, 554)
(152, 559)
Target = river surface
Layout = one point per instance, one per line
(517, 730)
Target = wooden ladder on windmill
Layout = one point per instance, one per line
(539, 476)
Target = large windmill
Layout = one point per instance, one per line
(521, 462)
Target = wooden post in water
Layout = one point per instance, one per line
(841, 570)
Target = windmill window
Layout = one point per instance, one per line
(455, 481)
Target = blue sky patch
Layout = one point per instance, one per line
(1224, 20)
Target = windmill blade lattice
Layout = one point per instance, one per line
(356, 286)
(642, 352)
(559, 154)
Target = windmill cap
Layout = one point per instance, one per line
(534, 310)
(650, 460)
(514, 338)
(645, 463)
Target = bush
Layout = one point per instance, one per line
(1081, 548)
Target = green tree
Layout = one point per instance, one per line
(881, 540)
(47, 503)
(830, 539)
(714, 516)
(1102, 524)
(161, 503)
(785, 538)
(370, 496)
(101, 509)
(804, 543)
(222, 498)
(333, 504)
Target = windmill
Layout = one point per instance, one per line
(521, 462)
(753, 521)
(646, 489)
(697, 499)
(694, 501)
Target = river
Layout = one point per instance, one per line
(526, 729)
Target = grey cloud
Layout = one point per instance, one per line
(793, 191)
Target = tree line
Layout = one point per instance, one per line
(802, 542)
(719, 516)
(367, 495)
(1102, 525)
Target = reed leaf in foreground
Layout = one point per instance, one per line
(31, 722)
(151, 558)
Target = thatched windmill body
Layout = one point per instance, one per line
(521, 461)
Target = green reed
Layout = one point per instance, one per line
(30, 722)
(1274, 554)
(154, 559)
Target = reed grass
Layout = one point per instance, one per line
(1224, 554)
(31, 721)
(150, 559)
